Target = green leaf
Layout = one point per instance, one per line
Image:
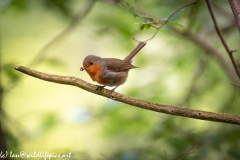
(144, 26)
(127, 7)
(147, 21)
(9, 71)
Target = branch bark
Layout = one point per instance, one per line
(172, 110)
(235, 5)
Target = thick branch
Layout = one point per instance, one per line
(184, 112)
(235, 5)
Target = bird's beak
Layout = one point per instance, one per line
(82, 68)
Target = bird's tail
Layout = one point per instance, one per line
(135, 51)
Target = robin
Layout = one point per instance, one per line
(110, 71)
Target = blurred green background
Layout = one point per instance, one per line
(182, 66)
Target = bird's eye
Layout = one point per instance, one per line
(91, 63)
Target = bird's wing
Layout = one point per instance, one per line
(117, 65)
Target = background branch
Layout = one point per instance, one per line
(202, 41)
(169, 17)
(230, 52)
(184, 112)
(235, 5)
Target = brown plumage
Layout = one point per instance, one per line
(110, 71)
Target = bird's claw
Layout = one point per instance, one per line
(99, 88)
(110, 94)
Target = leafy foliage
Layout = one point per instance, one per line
(7, 71)
(147, 21)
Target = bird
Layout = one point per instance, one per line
(110, 72)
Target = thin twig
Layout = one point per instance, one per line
(162, 24)
(189, 151)
(172, 110)
(235, 84)
(222, 39)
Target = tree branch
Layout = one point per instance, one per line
(230, 52)
(184, 112)
(162, 24)
(201, 41)
(235, 5)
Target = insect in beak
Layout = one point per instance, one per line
(82, 68)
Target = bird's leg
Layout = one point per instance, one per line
(99, 87)
(111, 91)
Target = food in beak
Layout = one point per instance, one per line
(82, 68)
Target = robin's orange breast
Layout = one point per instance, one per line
(95, 72)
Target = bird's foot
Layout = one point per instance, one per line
(109, 93)
(99, 88)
